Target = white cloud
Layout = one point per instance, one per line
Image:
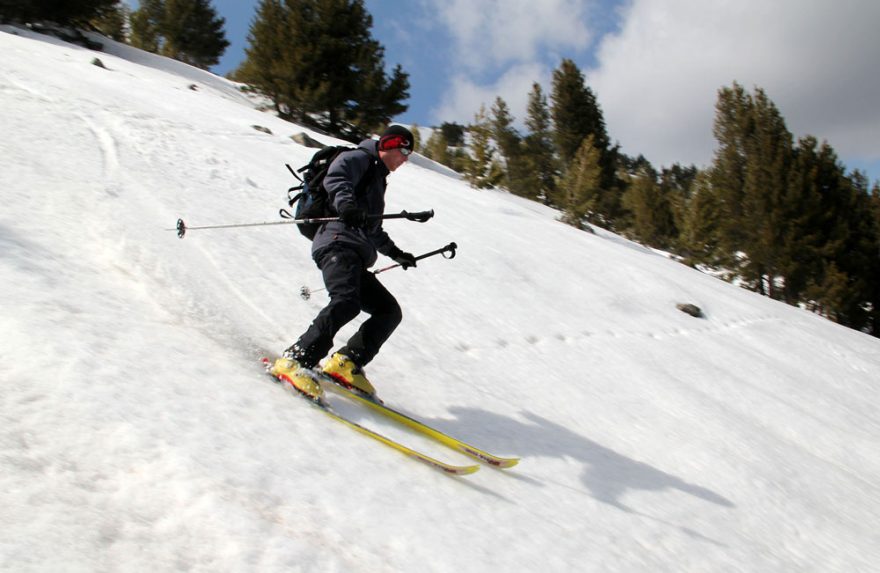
(499, 46)
(495, 33)
(658, 76)
(657, 80)
(464, 97)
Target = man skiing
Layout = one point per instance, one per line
(344, 250)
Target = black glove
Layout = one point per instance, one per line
(404, 259)
(354, 216)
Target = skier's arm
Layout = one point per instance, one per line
(342, 177)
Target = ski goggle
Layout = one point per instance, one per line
(390, 142)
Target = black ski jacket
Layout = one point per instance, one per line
(342, 178)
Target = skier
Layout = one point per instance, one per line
(344, 250)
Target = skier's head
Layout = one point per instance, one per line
(395, 146)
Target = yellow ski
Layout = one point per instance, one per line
(422, 428)
(419, 456)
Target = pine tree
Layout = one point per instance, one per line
(575, 112)
(576, 115)
(874, 276)
(795, 225)
(193, 32)
(417, 138)
(266, 52)
(112, 22)
(652, 214)
(805, 221)
(437, 148)
(858, 257)
(580, 186)
(732, 128)
(146, 24)
(700, 238)
(539, 146)
(318, 63)
(186, 30)
(517, 177)
(751, 174)
(769, 160)
(65, 12)
(482, 170)
(676, 185)
(453, 133)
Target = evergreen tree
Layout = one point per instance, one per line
(751, 174)
(318, 63)
(769, 158)
(732, 128)
(437, 148)
(193, 32)
(186, 30)
(453, 133)
(442, 150)
(482, 170)
(856, 255)
(580, 186)
(797, 227)
(146, 23)
(517, 176)
(700, 238)
(417, 138)
(112, 22)
(874, 277)
(806, 220)
(539, 146)
(267, 53)
(676, 184)
(653, 222)
(575, 112)
(65, 12)
(576, 115)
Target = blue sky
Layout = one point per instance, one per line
(655, 66)
(415, 38)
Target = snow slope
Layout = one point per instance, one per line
(137, 432)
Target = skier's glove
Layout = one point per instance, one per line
(404, 259)
(354, 216)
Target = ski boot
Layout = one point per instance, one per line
(303, 379)
(343, 369)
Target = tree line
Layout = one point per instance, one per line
(315, 60)
(186, 30)
(777, 216)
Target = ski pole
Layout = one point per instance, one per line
(450, 248)
(448, 252)
(419, 217)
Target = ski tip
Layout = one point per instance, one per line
(461, 470)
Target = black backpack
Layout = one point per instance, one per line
(311, 200)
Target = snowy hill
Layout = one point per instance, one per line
(137, 432)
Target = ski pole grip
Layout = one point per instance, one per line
(450, 248)
(420, 217)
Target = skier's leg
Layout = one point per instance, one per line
(385, 316)
(343, 271)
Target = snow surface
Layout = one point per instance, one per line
(137, 432)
